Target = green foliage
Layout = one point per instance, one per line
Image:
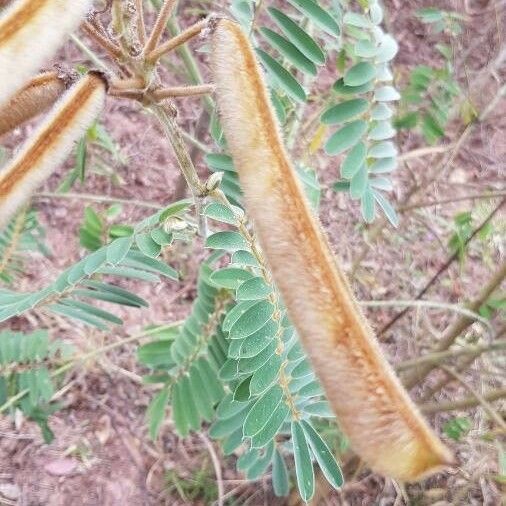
(97, 228)
(21, 235)
(427, 101)
(457, 428)
(99, 139)
(24, 362)
(441, 20)
(72, 294)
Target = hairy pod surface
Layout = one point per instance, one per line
(50, 144)
(33, 99)
(383, 425)
(31, 31)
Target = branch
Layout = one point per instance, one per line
(161, 21)
(444, 267)
(467, 402)
(454, 331)
(183, 91)
(435, 358)
(190, 32)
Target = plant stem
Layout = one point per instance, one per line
(444, 267)
(85, 356)
(98, 198)
(160, 24)
(461, 404)
(435, 358)
(456, 329)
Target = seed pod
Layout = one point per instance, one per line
(50, 144)
(383, 425)
(33, 99)
(31, 31)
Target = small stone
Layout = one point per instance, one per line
(61, 467)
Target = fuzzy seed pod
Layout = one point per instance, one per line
(50, 144)
(383, 425)
(33, 99)
(31, 31)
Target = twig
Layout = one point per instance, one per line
(430, 304)
(486, 405)
(437, 357)
(452, 333)
(462, 365)
(183, 91)
(217, 467)
(444, 267)
(467, 402)
(98, 198)
(176, 41)
(161, 21)
(89, 53)
(141, 23)
(113, 50)
(419, 205)
(93, 353)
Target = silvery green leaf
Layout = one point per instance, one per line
(303, 464)
(387, 50)
(381, 131)
(381, 183)
(280, 482)
(344, 111)
(358, 183)
(368, 206)
(360, 74)
(254, 288)
(376, 13)
(386, 94)
(354, 160)
(387, 208)
(262, 410)
(365, 49)
(346, 137)
(253, 319)
(357, 20)
(384, 149)
(383, 165)
(230, 277)
(381, 112)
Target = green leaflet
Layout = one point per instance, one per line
(344, 111)
(262, 410)
(323, 456)
(303, 465)
(319, 16)
(228, 241)
(298, 37)
(289, 51)
(282, 77)
(280, 482)
(360, 74)
(251, 320)
(346, 137)
(354, 161)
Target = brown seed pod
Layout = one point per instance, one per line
(50, 144)
(31, 31)
(383, 425)
(33, 99)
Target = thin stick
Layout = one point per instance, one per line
(456, 329)
(183, 91)
(420, 205)
(97, 198)
(89, 53)
(467, 402)
(93, 353)
(113, 50)
(141, 23)
(161, 21)
(444, 267)
(217, 468)
(486, 405)
(176, 41)
(438, 356)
